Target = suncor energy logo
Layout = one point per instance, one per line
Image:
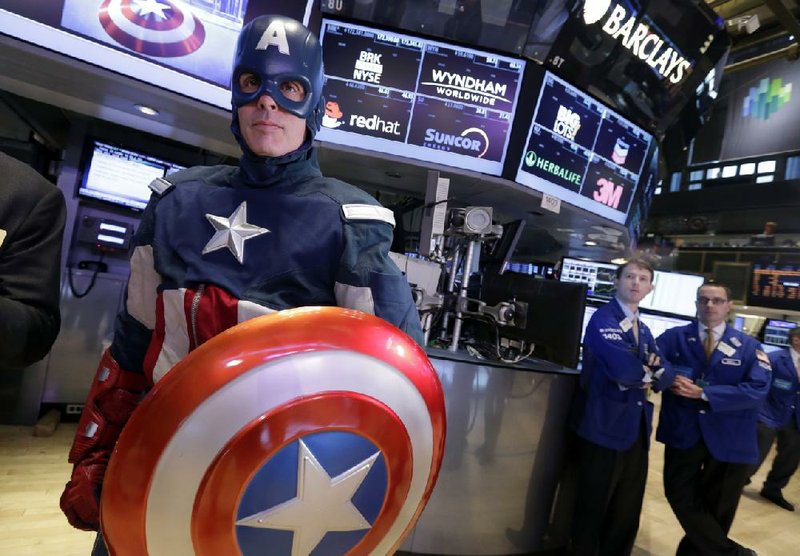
(767, 98)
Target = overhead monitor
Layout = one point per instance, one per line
(776, 286)
(649, 58)
(583, 152)
(418, 98)
(673, 292)
(185, 47)
(121, 176)
(497, 25)
(598, 276)
(776, 332)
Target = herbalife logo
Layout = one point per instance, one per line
(766, 99)
(534, 161)
(594, 10)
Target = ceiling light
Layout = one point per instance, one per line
(619, 260)
(590, 243)
(146, 110)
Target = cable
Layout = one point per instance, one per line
(97, 265)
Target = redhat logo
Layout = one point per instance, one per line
(594, 10)
(163, 28)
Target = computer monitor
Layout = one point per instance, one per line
(776, 285)
(553, 318)
(776, 332)
(497, 258)
(673, 292)
(598, 276)
(121, 176)
(658, 324)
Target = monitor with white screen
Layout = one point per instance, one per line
(599, 276)
(121, 176)
(658, 324)
(674, 293)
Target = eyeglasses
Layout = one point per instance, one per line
(713, 300)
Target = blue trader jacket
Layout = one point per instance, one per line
(736, 380)
(615, 401)
(782, 400)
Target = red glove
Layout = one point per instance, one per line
(114, 395)
(80, 500)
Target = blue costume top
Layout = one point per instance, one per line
(613, 379)
(736, 380)
(219, 245)
(782, 401)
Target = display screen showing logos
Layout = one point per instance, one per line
(183, 46)
(582, 152)
(417, 98)
(648, 56)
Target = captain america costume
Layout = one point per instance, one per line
(220, 245)
(294, 257)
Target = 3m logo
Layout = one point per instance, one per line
(608, 193)
(594, 10)
(766, 99)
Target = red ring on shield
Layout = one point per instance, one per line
(301, 364)
(216, 503)
(179, 35)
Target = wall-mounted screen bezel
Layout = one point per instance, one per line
(584, 153)
(418, 98)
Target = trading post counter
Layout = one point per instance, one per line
(504, 457)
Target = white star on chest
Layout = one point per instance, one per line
(322, 504)
(145, 7)
(232, 232)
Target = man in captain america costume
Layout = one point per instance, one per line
(220, 245)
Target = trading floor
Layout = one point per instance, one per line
(33, 472)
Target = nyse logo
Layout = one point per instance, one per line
(368, 67)
(608, 193)
(567, 123)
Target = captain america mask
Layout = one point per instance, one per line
(275, 54)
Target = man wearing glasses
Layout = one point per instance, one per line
(708, 422)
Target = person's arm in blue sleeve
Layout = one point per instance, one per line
(606, 341)
(369, 281)
(664, 374)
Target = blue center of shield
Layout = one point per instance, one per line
(322, 492)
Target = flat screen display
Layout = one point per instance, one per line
(583, 152)
(121, 176)
(497, 25)
(776, 332)
(418, 98)
(658, 324)
(598, 276)
(775, 286)
(673, 292)
(648, 58)
(183, 46)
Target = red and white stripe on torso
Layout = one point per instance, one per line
(181, 319)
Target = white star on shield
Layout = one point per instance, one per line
(232, 232)
(145, 7)
(322, 504)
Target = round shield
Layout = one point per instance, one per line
(315, 429)
(163, 28)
